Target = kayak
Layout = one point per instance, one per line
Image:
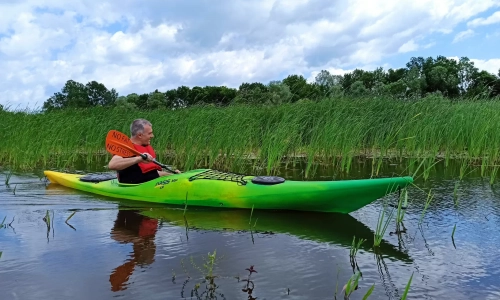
(213, 188)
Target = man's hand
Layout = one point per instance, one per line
(149, 158)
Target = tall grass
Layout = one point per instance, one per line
(331, 131)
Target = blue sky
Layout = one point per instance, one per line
(137, 46)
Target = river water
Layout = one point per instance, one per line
(128, 250)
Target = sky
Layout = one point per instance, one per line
(140, 46)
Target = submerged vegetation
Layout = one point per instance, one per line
(331, 131)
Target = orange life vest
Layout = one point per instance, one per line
(147, 166)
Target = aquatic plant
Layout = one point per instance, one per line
(5, 225)
(453, 235)
(353, 251)
(401, 209)
(68, 218)
(351, 285)
(407, 288)
(329, 131)
(382, 226)
(369, 292)
(355, 246)
(427, 203)
(247, 288)
(7, 178)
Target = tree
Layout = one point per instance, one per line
(73, 95)
(123, 102)
(157, 100)
(328, 84)
(279, 93)
(466, 74)
(252, 93)
(414, 82)
(484, 84)
(77, 95)
(300, 89)
(394, 76)
(99, 95)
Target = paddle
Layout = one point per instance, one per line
(118, 143)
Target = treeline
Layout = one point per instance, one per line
(421, 76)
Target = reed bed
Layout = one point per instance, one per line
(330, 131)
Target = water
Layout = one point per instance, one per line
(128, 250)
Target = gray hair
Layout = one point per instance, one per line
(137, 126)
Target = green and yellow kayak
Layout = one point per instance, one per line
(212, 188)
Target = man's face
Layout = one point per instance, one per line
(145, 137)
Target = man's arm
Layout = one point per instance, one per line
(119, 163)
(163, 173)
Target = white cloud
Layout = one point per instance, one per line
(462, 35)
(138, 47)
(408, 47)
(489, 65)
(494, 18)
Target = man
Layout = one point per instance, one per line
(135, 169)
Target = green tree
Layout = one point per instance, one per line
(157, 100)
(252, 93)
(484, 84)
(279, 93)
(415, 82)
(466, 74)
(394, 76)
(123, 102)
(300, 89)
(358, 89)
(76, 95)
(328, 84)
(99, 95)
(73, 94)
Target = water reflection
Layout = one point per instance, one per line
(130, 227)
(331, 228)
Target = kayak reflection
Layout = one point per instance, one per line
(132, 227)
(332, 228)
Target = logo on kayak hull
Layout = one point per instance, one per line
(161, 184)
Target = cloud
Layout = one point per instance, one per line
(489, 65)
(494, 18)
(463, 35)
(408, 46)
(137, 47)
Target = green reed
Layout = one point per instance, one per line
(427, 203)
(351, 285)
(382, 225)
(407, 288)
(401, 209)
(355, 247)
(330, 131)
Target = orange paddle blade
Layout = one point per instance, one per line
(118, 143)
